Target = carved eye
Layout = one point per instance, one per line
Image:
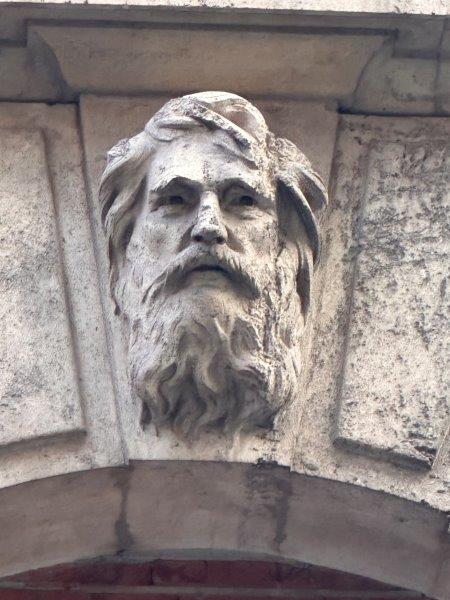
(175, 201)
(240, 200)
(246, 200)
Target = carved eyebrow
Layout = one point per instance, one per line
(239, 182)
(177, 180)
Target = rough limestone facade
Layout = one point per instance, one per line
(224, 264)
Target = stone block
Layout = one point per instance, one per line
(57, 407)
(175, 60)
(391, 84)
(402, 7)
(39, 387)
(420, 39)
(385, 231)
(394, 396)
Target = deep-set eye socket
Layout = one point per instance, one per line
(175, 200)
(246, 200)
(237, 197)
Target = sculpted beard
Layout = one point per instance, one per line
(205, 361)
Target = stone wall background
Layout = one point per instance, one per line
(364, 465)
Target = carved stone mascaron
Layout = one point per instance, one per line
(212, 238)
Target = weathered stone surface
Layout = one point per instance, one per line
(443, 86)
(395, 382)
(174, 60)
(381, 63)
(39, 393)
(214, 510)
(391, 84)
(314, 453)
(398, 238)
(360, 510)
(311, 125)
(24, 74)
(57, 407)
(425, 7)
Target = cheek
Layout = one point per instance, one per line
(148, 253)
(155, 241)
(260, 236)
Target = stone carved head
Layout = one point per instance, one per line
(212, 241)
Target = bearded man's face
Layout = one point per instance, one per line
(208, 287)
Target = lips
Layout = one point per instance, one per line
(207, 263)
(226, 267)
(209, 268)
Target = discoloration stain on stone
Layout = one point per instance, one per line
(122, 477)
(269, 492)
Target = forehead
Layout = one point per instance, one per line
(206, 157)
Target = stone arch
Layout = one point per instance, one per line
(211, 510)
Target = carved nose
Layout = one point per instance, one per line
(209, 227)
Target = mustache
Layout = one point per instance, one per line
(232, 266)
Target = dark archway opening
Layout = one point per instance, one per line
(117, 579)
